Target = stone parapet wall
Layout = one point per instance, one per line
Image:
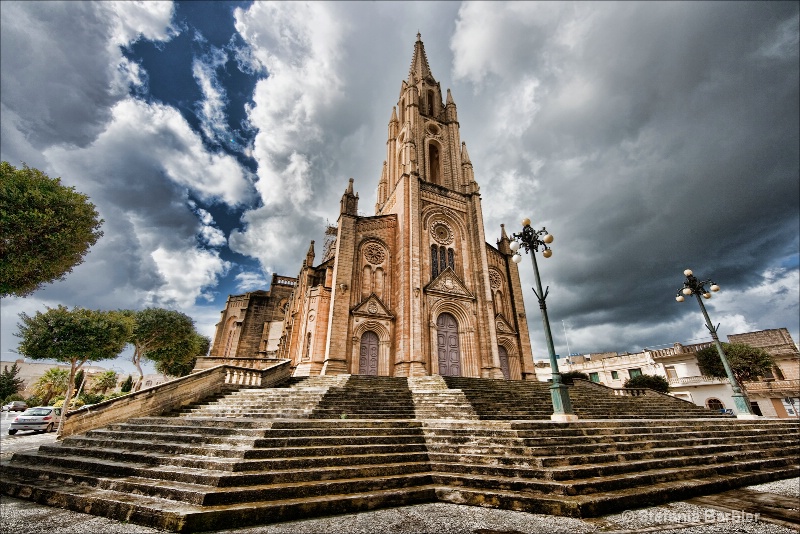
(172, 395)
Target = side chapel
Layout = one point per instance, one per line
(413, 290)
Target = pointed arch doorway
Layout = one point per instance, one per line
(448, 346)
(368, 355)
(504, 362)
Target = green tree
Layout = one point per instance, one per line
(104, 381)
(179, 358)
(654, 382)
(154, 329)
(47, 229)
(9, 382)
(51, 384)
(747, 363)
(567, 378)
(72, 336)
(79, 378)
(127, 385)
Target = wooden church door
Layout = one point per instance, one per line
(504, 362)
(447, 345)
(368, 359)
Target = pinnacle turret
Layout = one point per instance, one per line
(420, 70)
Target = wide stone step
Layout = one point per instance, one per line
(164, 514)
(602, 503)
(112, 460)
(627, 467)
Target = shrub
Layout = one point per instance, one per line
(567, 377)
(33, 401)
(14, 397)
(91, 398)
(656, 383)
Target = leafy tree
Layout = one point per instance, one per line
(9, 383)
(154, 329)
(47, 229)
(566, 378)
(74, 337)
(654, 382)
(104, 382)
(127, 385)
(179, 358)
(79, 377)
(52, 383)
(747, 363)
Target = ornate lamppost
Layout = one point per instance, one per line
(531, 240)
(693, 286)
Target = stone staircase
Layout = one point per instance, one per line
(586, 469)
(511, 399)
(343, 444)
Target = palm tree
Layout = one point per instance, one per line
(104, 382)
(54, 382)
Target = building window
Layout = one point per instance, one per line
(441, 259)
(615, 375)
(714, 404)
(594, 377)
(633, 373)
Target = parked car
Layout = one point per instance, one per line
(39, 419)
(15, 406)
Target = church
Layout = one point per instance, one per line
(413, 290)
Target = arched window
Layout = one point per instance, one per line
(441, 259)
(430, 103)
(433, 164)
(714, 404)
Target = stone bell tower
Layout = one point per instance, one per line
(415, 289)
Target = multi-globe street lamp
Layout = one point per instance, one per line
(531, 240)
(693, 286)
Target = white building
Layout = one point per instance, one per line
(777, 395)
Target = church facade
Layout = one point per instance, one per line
(415, 289)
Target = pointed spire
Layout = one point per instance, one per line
(419, 63)
(394, 115)
(450, 101)
(310, 255)
(349, 204)
(503, 242)
(464, 154)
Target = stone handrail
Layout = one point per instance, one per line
(789, 386)
(173, 394)
(696, 380)
(630, 392)
(207, 362)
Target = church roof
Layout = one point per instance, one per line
(420, 69)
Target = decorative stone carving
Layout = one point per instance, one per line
(374, 254)
(495, 279)
(442, 233)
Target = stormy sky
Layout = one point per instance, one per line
(216, 139)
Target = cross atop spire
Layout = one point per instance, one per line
(419, 63)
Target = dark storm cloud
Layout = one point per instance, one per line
(661, 136)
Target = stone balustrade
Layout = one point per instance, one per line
(784, 387)
(171, 395)
(696, 381)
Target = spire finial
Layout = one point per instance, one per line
(419, 36)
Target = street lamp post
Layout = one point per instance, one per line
(531, 240)
(693, 286)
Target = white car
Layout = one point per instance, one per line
(39, 419)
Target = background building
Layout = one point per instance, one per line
(776, 395)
